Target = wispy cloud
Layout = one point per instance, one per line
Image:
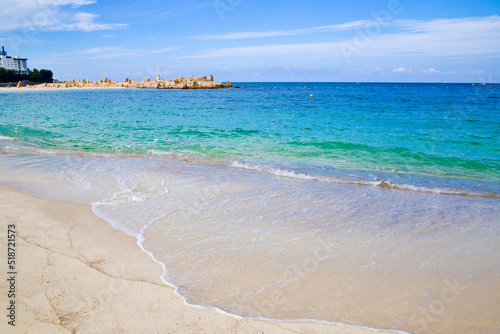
(478, 72)
(162, 50)
(274, 33)
(442, 38)
(50, 15)
(109, 52)
(83, 22)
(74, 3)
(431, 71)
(276, 50)
(453, 26)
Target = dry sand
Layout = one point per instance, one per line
(44, 88)
(77, 274)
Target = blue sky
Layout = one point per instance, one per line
(254, 40)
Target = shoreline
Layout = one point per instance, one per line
(159, 83)
(48, 88)
(69, 278)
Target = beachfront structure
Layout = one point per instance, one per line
(20, 65)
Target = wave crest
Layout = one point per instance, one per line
(281, 172)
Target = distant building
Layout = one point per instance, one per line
(20, 65)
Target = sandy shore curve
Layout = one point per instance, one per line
(77, 274)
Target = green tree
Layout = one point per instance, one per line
(46, 75)
(8, 75)
(33, 76)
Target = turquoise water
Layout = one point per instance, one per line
(423, 135)
(352, 206)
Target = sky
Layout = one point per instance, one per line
(256, 40)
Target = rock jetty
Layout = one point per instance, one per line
(176, 83)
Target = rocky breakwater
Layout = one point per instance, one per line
(159, 83)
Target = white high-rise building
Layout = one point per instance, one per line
(20, 65)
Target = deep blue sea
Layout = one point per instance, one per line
(354, 202)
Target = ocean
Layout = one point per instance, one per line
(367, 204)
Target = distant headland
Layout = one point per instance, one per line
(159, 83)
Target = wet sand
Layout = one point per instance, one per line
(77, 274)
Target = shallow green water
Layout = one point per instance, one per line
(413, 135)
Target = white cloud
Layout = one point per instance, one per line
(453, 26)
(430, 71)
(47, 4)
(74, 3)
(50, 15)
(83, 22)
(402, 70)
(441, 38)
(274, 33)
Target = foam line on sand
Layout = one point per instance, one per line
(77, 274)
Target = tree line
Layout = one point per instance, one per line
(32, 76)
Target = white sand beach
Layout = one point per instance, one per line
(77, 274)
